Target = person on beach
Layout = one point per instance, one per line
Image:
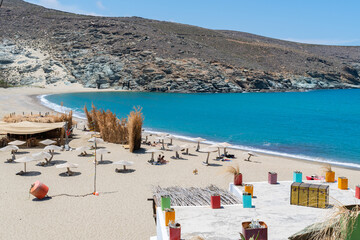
(161, 160)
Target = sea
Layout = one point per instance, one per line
(321, 125)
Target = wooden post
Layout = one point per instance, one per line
(95, 168)
(62, 136)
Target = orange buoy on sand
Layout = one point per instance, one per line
(39, 190)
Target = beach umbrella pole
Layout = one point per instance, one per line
(95, 169)
(198, 146)
(187, 151)
(207, 159)
(24, 166)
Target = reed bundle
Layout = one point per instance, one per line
(115, 130)
(46, 118)
(135, 121)
(340, 224)
(193, 196)
(235, 170)
(3, 141)
(326, 168)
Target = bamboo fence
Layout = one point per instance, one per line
(194, 196)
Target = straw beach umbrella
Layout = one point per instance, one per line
(186, 146)
(124, 164)
(9, 148)
(163, 134)
(176, 148)
(25, 160)
(217, 146)
(101, 152)
(162, 139)
(251, 154)
(17, 143)
(198, 140)
(68, 166)
(47, 142)
(96, 141)
(82, 150)
(171, 137)
(152, 151)
(43, 155)
(52, 149)
(224, 145)
(207, 150)
(91, 133)
(146, 135)
(12, 149)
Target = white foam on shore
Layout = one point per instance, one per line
(62, 109)
(267, 152)
(59, 108)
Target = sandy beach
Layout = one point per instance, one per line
(121, 211)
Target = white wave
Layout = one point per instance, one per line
(59, 108)
(267, 152)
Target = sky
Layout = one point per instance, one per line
(330, 22)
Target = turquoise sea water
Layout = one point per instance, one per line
(318, 125)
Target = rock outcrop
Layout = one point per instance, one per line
(52, 47)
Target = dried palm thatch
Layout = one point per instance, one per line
(340, 225)
(47, 118)
(135, 121)
(193, 196)
(116, 130)
(235, 170)
(111, 128)
(91, 117)
(326, 168)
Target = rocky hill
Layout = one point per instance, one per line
(42, 46)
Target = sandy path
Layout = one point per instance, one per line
(121, 211)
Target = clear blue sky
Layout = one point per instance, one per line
(312, 21)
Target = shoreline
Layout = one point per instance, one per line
(122, 202)
(41, 100)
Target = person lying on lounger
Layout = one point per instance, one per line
(161, 160)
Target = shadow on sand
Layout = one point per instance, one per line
(124, 170)
(104, 162)
(28, 174)
(65, 174)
